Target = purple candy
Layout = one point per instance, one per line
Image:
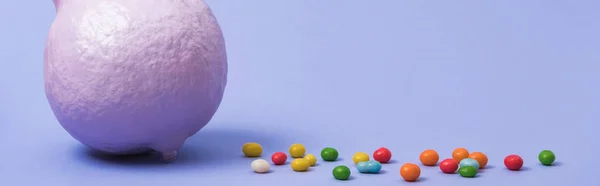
(132, 76)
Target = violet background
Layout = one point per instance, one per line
(501, 77)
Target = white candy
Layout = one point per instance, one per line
(260, 166)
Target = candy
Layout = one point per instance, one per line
(279, 158)
(297, 150)
(469, 162)
(448, 165)
(300, 165)
(513, 162)
(252, 149)
(341, 172)
(410, 172)
(382, 155)
(460, 154)
(547, 157)
(481, 158)
(429, 157)
(360, 157)
(260, 166)
(329, 154)
(312, 160)
(370, 166)
(467, 171)
(373, 166)
(362, 167)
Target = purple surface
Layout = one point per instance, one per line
(126, 76)
(498, 77)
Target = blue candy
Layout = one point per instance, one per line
(363, 167)
(374, 166)
(469, 162)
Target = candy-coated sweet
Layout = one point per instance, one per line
(260, 166)
(329, 154)
(252, 149)
(547, 157)
(382, 155)
(312, 160)
(481, 158)
(448, 165)
(125, 78)
(279, 158)
(300, 164)
(429, 157)
(362, 167)
(373, 166)
(469, 162)
(297, 150)
(467, 171)
(341, 172)
(370, 166)
(513, 162)
(410, 172)
(459, 154)
(360, 157)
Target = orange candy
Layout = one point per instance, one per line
(429, 157)
(481, 158)
(460, 154)
(410, 172)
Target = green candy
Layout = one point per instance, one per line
(341, 172)
(467, 171)
(329, 154)
(547, 157)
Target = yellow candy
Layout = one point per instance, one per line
(360, 157)
(252, 149)
(297, 150)
(300, 164)
(312, 159)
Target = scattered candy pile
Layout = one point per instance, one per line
(467, 164)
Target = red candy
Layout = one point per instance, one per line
(279, 158)
(513, 162)
(382, 155)
(449, 165)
